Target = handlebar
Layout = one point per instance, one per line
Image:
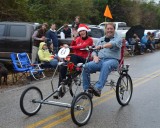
(89, 48)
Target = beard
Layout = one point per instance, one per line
(109, 35)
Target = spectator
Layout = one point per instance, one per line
(105, 60)
(152, 39)
(38, 36)
(50, 48)
(78, 55)
(51, 35)
(76, 23)
(146, 40)
(67, 31)
(75, 26)
(138, 46)
(157, 39)
(46, 58)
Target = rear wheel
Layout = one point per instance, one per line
(81, 109)
(124, 89)
(28, 100)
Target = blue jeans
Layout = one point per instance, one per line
(54, 63)
(105, 66)
(143, 47)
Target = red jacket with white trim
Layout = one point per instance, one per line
(79, 44)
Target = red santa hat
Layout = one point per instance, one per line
(82, 27)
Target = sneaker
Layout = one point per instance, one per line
(89, 93)
(95, 91)
(129, 49)
(148, 50)
(65, 81)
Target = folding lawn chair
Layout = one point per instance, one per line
(18, 71)
(34, 69)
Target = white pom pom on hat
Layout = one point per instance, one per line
(83, 27)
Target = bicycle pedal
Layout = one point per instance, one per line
(56, 95)
(62, 93)
(107, 84)
(110, 83)
(90, 90)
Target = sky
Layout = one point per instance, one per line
(157, 1)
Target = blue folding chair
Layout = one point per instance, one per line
(34, 69)
(17, 68)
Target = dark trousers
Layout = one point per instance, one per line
(63, 69)
(138, 48)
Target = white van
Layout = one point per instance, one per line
(120, 27)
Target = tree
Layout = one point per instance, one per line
(91, 11)
(13, 10)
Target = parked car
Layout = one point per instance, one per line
(157, 36)
(15, 37)
(94, 32)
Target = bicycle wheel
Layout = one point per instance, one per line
(124, 89)
(81, 109)
(27, 101)
(76, 81)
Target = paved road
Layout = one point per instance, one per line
(142, 112)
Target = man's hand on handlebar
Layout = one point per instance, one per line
(96, 59)
(99, 47)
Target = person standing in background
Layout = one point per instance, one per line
(76, 22)
(51, 35)
(38, 36)
(75, 26)
(67, 31)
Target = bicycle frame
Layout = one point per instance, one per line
(60, 104)
(55, 103)
(124, 84)
(121, 70)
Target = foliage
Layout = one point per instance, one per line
(13, 10)
(61, 11)
(90, 11)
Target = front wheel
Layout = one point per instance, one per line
(81, 109)
(28, 99)
(73, 85)
(124, 89)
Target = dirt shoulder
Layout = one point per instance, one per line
(21, 80)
